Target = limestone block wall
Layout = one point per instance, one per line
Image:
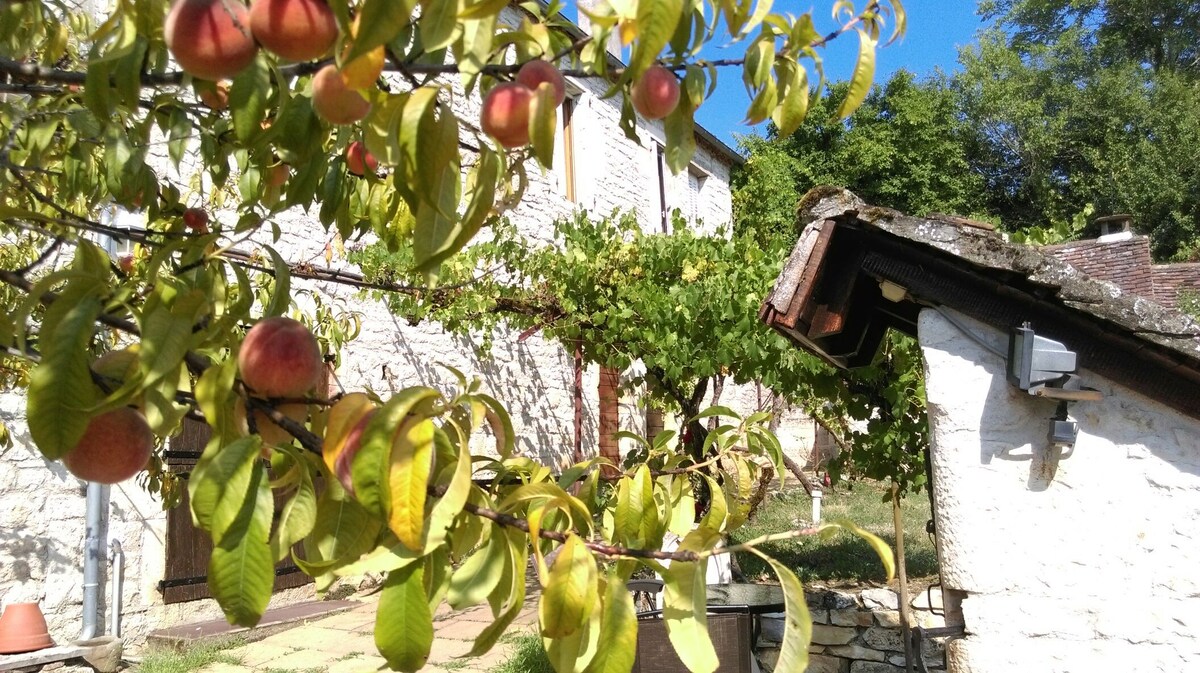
(1082, 560)
(859, 632)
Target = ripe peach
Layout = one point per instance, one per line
(271, 433)
(116, 445)
(299, 30)
(656, 94)
(215, 95)
(534, 73)
(196, 219)
(359, 160)
(280, 358)
(505, 114)
(277, 175)
(125, 263)
(210, 39)
(334, 101)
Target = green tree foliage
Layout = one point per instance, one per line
(1158, 33)
(95, 114)
(684, 306)
(1089, 103)
(906, 148)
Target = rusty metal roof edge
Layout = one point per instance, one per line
(989, 251)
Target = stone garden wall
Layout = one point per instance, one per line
(858, 632)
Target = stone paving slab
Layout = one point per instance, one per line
(345, 643)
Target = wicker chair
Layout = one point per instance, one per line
(729, 631)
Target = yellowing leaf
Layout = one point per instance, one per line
(684, 601)
(344, 415)
(794, 107)
(371, 467)
(380, 20)
(570, 593)
(797, 627)
(573, 653)
(656, 22)
(618, 629)
(364, 71)
(408, 481)
(860, 81)
(543, 120)
(881, 548)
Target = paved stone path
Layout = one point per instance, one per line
(345, 643)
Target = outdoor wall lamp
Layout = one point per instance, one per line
(1046, 368)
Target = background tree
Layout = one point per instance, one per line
(906, 148)
(163, 109)
(1088, 103)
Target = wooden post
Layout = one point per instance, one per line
(902, 575)
(577, 453)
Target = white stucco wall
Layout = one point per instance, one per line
(1088, 562)
(42, 506)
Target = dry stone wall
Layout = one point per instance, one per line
(858, 632)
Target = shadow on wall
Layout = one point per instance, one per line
(539, 402)
(1014, 426)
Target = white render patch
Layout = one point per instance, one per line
(1085, 561)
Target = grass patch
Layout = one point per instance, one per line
(167, 660)
(845, 557)
(527, 656)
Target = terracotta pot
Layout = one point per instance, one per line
(23, 629)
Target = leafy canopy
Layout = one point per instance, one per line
(97, 121)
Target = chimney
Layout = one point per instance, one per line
(1115, 228)
(614, 40)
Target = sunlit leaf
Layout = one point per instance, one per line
(570, 592)
(860, 81)
(403, 620)
(797, 627)
(378, 21)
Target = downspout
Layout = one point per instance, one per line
(92, 556)
(116, 559)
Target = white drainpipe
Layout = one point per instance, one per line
(92, 557)
(116, 559)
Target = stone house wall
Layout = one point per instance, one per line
(1083, 560)
(42, 506)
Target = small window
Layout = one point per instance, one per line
(696, 181)
(565, 167)
(118, 218)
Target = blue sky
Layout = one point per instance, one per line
(936, 30)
